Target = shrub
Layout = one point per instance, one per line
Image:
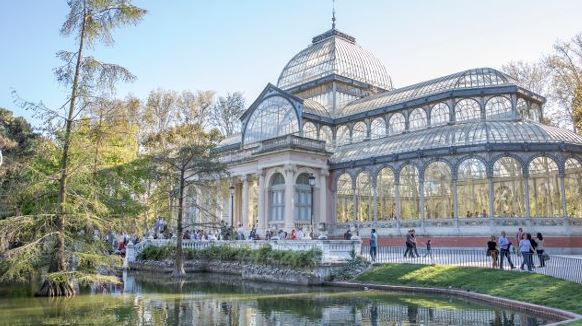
(157, 253)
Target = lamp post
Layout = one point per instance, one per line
(312, 184)
(231, 191)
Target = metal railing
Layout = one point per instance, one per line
(562, 267)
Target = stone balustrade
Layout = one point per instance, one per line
(333, 251)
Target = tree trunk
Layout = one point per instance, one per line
(179, 263)
(63, 286)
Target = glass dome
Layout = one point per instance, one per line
(334, 53)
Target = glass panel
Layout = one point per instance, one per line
(409, 193)
(303, 198)
(326, 135)
(439, 115)
(472, 189)
(417, 119)
(309, 130)
(397, 124)
(386, 195)
(573, 184)
(522, 108)
(378, 129)
(277, 198)
(438, 198)
(535, 112)
(467, 110)
(545, 199)
(343, 135)
(344, 199)
(508, 184)
(359, 132)
(275, 116)
(364, 197)
(498, 108)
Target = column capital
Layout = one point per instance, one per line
(324, 172)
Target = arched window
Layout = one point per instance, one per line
(364, 197)
(467, 110)
(302, 198)
(545, 199)
(277, 198)
(397, 124)
(343, 135)
(409, 193)
(378, 128)
(535, 112)
(522, 108)
(573, 183)
(439, 115)
(508, 187)
(498, 108)
(417, 119)
(472, 189)
(344, 199)
(326, 135)
(359, 132)
(386, 195)
(275, 116)
(438, 198)
(309, 130)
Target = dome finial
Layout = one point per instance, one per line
(333, 15)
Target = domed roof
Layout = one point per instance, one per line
(334, 53)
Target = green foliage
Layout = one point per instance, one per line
(529, 287)
(263, 256)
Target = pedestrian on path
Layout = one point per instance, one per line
(428, 249)
(492, 251)
(527, 250)
(409, 244)
(373, 245)
(540, 249)
(505, 250)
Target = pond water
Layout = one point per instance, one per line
(210, 299)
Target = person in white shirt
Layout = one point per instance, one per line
(300, 234)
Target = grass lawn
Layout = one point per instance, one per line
(527, 287)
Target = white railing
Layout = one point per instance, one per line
(333, 251)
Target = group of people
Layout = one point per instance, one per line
(298, 234)
(411, 245)
(527, 247)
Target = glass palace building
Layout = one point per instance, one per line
(465, 154)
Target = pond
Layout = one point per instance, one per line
(211, 299)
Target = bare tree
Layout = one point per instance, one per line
(226, 112)
(195, 108)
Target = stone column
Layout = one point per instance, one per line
(563, 195)
(323, 173)
(355, 202)
(397, 199)
(289, 196)
(375, 201)
(455, 201)
(421, 197)
(261, 201)
(491, 199)
(526, 196)
(245, 201)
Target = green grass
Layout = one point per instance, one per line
(527, 287)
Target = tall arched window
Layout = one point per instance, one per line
(364, 197)
(417, 119)
(508, 184)
(545, 199)
(302, 198)
(409, 192)
(573, 183)
(342, 135)
(438, 198)
(326, 135)
(522, 108)
(359, 132)
(275, 116)
(472, 189)
(309, 130)
(396, 124)
(386, 194)
(439, 115)
(378, 128)
(467, 110)
(277, 198)
(344, 199)
(498, 108)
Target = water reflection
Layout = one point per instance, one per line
(205, 299)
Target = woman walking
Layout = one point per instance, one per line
(527, 251)
(492, 251)
(540, 249)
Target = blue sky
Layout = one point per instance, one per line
(243, 45)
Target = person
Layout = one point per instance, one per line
(293, 235)
(505, 247)
(348, 235)
(468, 214)
(540, 249)
(414, 242)
(408, 243)
(373, 245)
(300, 234)
(428, 248)
(492, 251)
(121, 249)
(484, 214)
(519, 235)
(241, 232)
(526, 250)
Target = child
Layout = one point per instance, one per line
(428, 248)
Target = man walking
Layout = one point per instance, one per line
(504, 250)
(373, 245)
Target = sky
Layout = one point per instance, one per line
(229, 46)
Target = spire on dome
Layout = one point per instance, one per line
(333, 15)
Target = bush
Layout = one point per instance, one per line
(157, 253)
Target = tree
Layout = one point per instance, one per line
(188, 160)
(90, 21)
(565, 64)
(194, 108)
(226, 112)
